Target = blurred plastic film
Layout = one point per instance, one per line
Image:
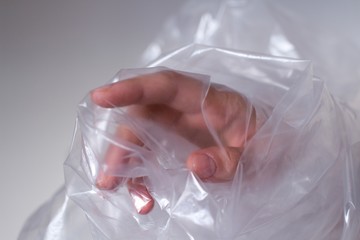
(298, 176)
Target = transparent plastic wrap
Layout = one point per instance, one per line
(294, 179)
(298, 175)
(324, 31)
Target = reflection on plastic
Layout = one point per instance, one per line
(141, 197)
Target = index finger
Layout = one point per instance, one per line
(176, 90)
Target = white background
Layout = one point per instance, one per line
(51, 54)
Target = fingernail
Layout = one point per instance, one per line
(204, 166)
(105, 182)
(102, 89)
(98, 93)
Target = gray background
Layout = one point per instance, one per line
(51, 54)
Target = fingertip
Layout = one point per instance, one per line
(142, 199)
(202, 165)
(145, 209)
(98, 95)
(214, 163)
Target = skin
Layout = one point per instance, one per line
(173, 100)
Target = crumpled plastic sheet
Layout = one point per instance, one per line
(323, 31)
(298, 164)
(298, 177)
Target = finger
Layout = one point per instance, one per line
(214, 163)
(140, 195)
(115, 159)
(181, 92)
(231, 113)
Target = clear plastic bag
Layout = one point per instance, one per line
(290, 181)
(298, 176)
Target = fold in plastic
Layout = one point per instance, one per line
(296, 177)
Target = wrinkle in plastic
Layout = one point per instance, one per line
(289, 182)
(298, 176)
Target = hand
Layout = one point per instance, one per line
(174, 100)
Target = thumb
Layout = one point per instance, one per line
(215, 163)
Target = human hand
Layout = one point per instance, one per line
(174, 100)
